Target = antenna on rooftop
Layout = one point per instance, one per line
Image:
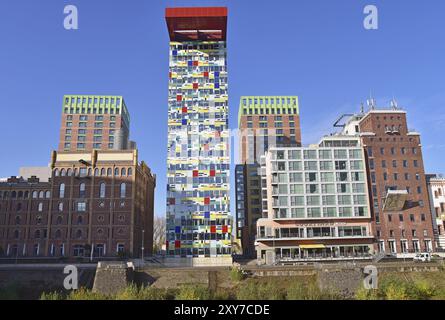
(394, 104)
(362, 108)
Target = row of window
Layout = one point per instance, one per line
(79, 234)
(314, 176)
(69, 124)
(393, 151)
(84, 131)
(78, 250)
(271, 100)
(271, 111)
(85, 118)
(324, 154)
(59, 219)
(102, 190)
(124, 172)
(25, 194)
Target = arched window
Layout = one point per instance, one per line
(82, 190)
(79, 220)
(34, 194)
(18, 220)
(16, 234)
(20, 194)
(123, 172)
(47, 194)
(6, 195)
(37, 234)
(13, 194)
(102, 190)
(109, 172)
(90, 172)
(130, 172)
(56, 172)
(62, 172)
(26, 195)
(96, 172)
(123, 190)
(75, 172)
(79, 234)
(62, 191)
(41, 195)
(116, 171)
(58, 234)
(69, 172)
(102, 172)
(40, 207)
(60, 206)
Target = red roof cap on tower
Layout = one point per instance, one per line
(197, 23)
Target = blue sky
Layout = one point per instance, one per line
(316, 49)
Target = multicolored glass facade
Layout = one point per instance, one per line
(199, 223)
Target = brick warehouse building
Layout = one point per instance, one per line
(99, 199)
(401, 210)
(102, 200)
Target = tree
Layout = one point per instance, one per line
(158, 233)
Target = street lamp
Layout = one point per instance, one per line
(143, 234)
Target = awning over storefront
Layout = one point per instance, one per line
(312, 246)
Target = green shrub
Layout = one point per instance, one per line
(52, 296)
(260, 291)
(193, 292)
(132, 292)
(85, 294)
(308, 291)
(422, 290)
(367, 294)
(236, 274)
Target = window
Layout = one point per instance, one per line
(62, 191)
(123, 190)
(60, 206)
(102, 190)
(40, 207)
(394, 163)
(130, 172)
(340, 165)
(82, 190)
(123, 172)
(81, 207)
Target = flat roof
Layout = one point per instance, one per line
(197, 23)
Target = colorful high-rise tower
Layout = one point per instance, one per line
(199, 223)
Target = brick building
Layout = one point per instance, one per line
(401, 211)
(96, 204)
(94, 122)
(264, 122)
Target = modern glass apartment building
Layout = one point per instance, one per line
(317, 204)
(199, 223)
